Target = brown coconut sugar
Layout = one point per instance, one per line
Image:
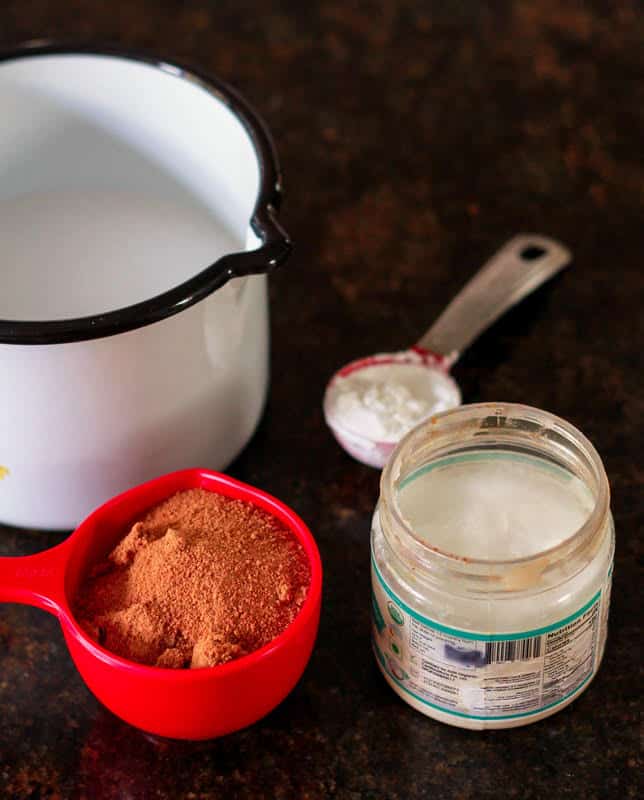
(200, 580)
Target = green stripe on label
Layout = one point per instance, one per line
(481, 637)
(378, 619)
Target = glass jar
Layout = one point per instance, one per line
(483, 642)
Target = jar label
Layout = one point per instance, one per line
(483, 676)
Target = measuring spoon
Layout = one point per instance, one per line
(369, 415)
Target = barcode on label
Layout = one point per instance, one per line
(513, 650)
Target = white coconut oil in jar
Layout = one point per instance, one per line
(492, 551)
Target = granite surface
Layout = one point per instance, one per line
(415, 138)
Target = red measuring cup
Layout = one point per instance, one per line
(177, 703)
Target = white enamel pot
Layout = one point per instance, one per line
(137, 222)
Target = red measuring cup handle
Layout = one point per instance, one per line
(37, 580)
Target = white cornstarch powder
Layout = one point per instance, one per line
(384, 401)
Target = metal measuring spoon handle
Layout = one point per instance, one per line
(517, 269)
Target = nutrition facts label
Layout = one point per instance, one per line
(484, 676)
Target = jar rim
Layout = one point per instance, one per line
(461, 419)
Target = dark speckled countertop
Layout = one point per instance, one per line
(415, 137)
